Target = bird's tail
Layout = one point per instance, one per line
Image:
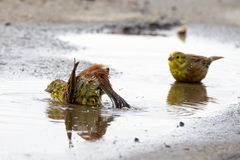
(214, 58)
(116, 99)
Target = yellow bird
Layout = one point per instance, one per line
(86, 88)
(188, 67)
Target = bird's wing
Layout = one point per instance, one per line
(116, 99)
(197, 63)
(71, 85)
(102, 74)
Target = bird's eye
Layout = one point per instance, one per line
(177, 57)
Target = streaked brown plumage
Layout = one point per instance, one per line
(86, 88)
(188, 67)
(102, 75)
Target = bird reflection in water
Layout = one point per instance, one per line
(187, 97)
(87, 122)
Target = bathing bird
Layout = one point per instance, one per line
(189, 68)
(86, 88)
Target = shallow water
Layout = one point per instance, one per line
(32, 127)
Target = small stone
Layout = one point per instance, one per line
(136, 140)
(181, 124)
(8, 24)
(167, 146)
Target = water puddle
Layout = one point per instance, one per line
(33, 126)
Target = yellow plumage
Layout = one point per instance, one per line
(87, 91)
(188, 67)
(86, 88)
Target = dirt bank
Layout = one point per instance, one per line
(71, 11)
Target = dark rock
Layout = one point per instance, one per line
(136, 140)
(152, 28)
(167, 146)
(8, 24)
(181, 124)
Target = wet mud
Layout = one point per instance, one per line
(152, 28)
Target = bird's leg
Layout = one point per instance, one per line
(71, 84)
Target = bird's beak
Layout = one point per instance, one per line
(47, 90)
(170, 58)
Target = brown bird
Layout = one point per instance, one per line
(188, 67)
(86, 88)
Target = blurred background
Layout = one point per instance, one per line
(71, 11)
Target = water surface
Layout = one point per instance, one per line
(33, 127)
